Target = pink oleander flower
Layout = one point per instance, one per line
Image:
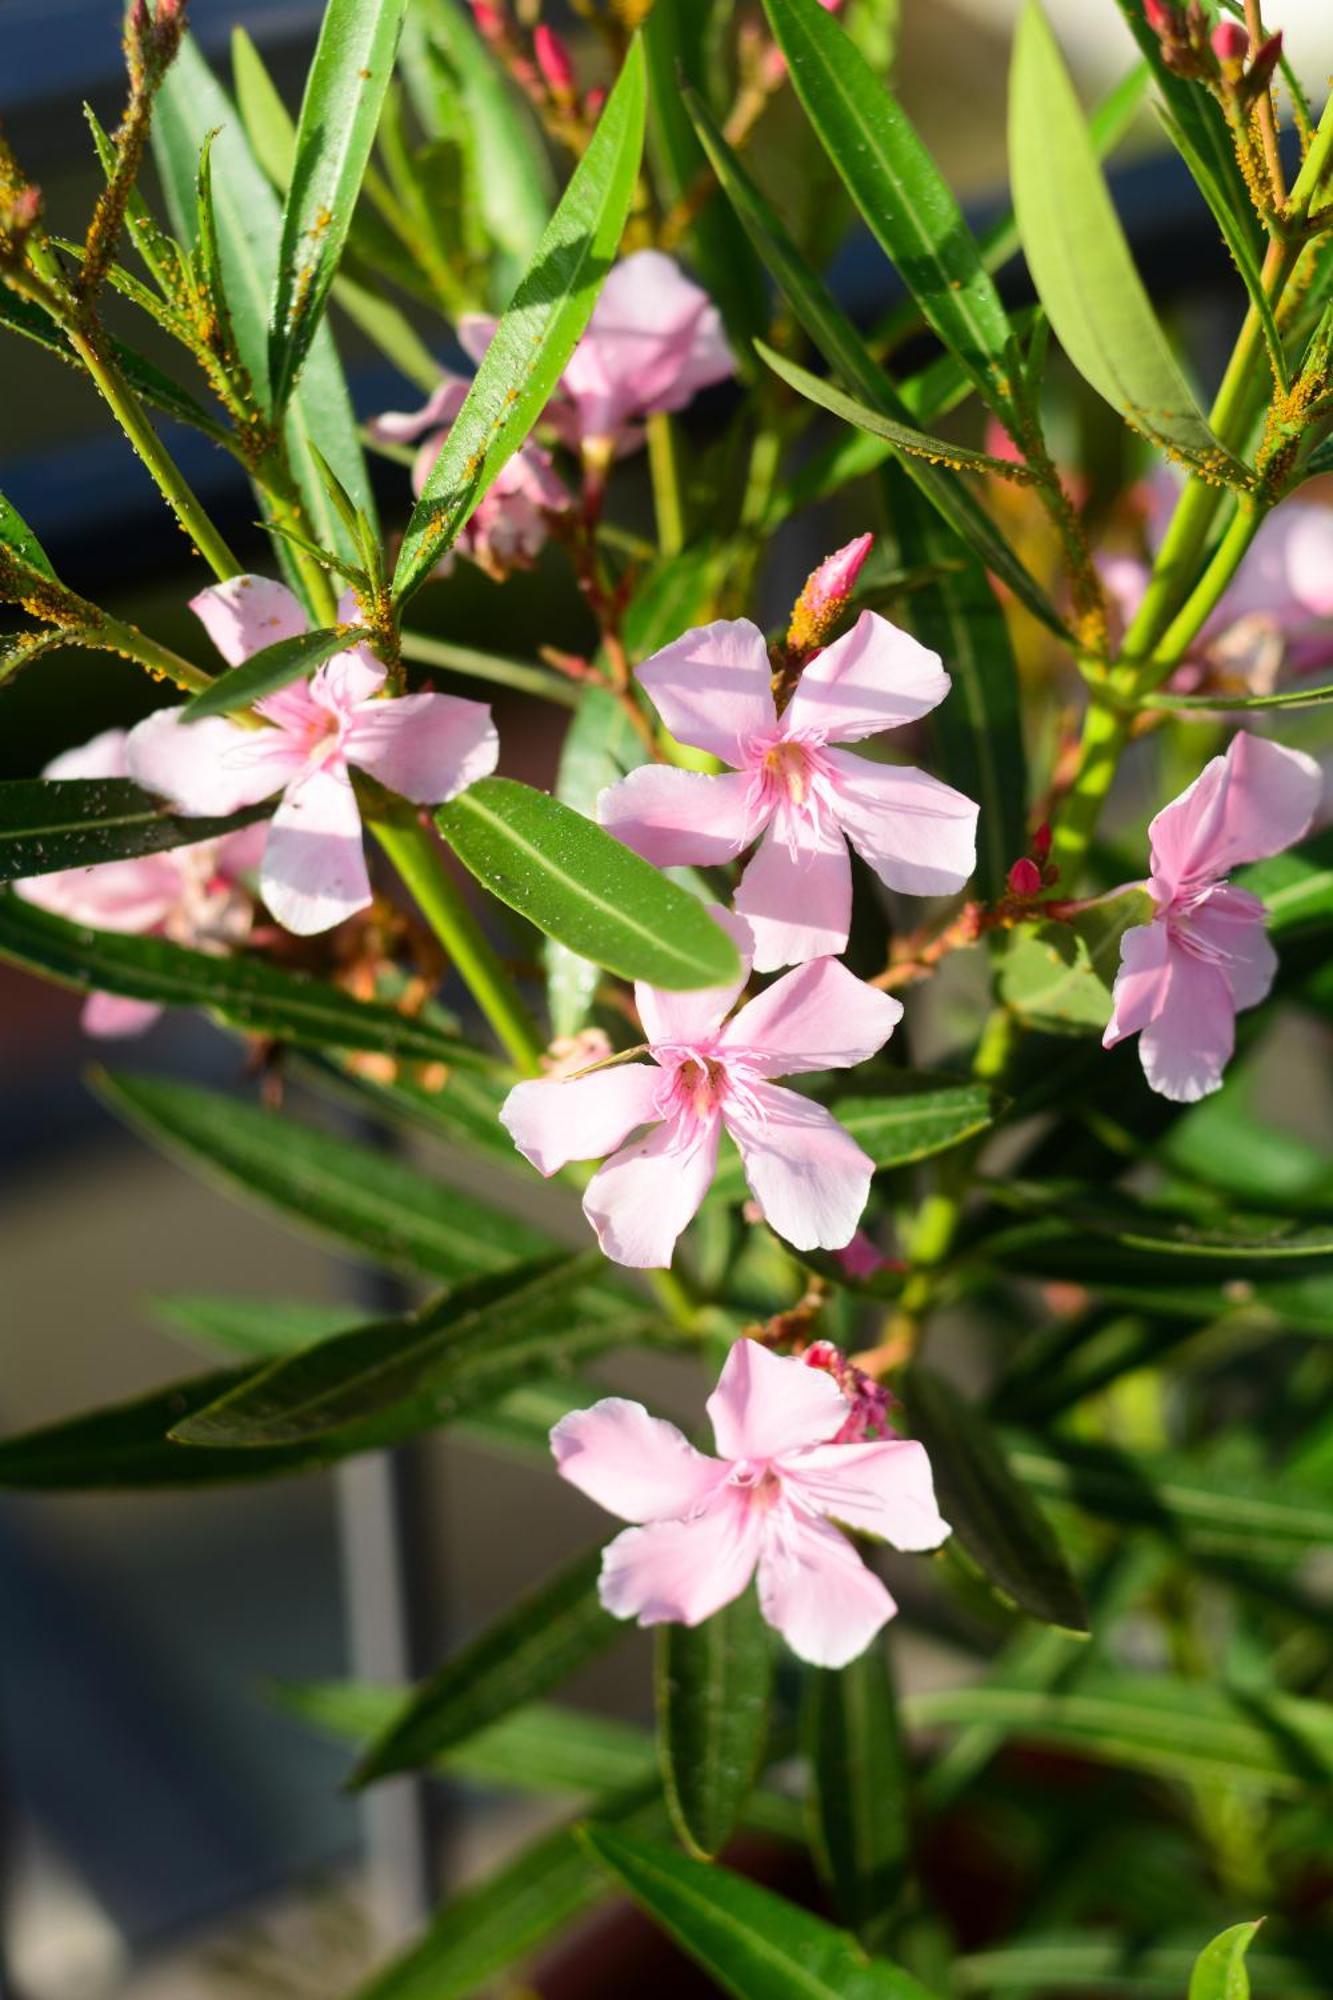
(509, 527)
(426, 747)
(766, 1503)
(711, 1075)
(712, 688)
(1204, 957)
(192, 895)
(1276, 620)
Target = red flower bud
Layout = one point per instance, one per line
(1161, 16)
(553, 61)
(1260, 74)
(1025, 879)
(1230, 43)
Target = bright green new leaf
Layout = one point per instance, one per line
(17, 537)
(1296, 887)
(1081, 264)
(713, 1683)
(577, 884)
(538, 333)
(344, 94)
(271, 668)
(47, 824)
(1058, 976)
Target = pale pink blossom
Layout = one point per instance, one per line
(711, 1075)
(1205, 957)
(767, 1503)
(508, 528)
(788, 783)
(192, 895)
(426, 747)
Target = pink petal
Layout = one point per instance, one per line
(654, 340)
(766, 1404)
(110, 1016)
(808, 1175)
(1310, 557)
(1141, 982)
(129, 896)
(247, 613)
(426, 747)
(348, 680)
(437, 413)
(1288, 574)
(103, 756)
(712, 687)
(681, 1572)
(210, 767)
(1186, 1048)
(674, 818)
(1255, 801)
(314, 872)
(634, 1465)
(884, 1489)
(873, 678)
(919, 836)
(475, 332)
(1229, 923)
(821, 1016)
(690, 1018)
(580, 1118)
(816, 1591)
(648, 1192)
(798, 905)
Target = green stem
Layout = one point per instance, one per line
(1314, 169)
(110, 635)
(433, 652)
(416, 855)
(664, 469)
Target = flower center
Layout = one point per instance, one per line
(759, 1482)
(699, 1085)
(789, 770)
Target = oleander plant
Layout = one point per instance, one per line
(899, 974)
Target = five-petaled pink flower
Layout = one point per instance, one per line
(768, 1502)
(507, 530)
(427, 747)
(709, 1075)
(1204, 957)
(712, 688)
(192, 895)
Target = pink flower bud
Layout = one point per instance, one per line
(825, 597)
(1025, 879)
(1230, 43)
(1161, 16)
(553, 61)
(593, 100)
(489, 20)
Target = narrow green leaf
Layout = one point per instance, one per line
(271, 668)
(600, 746)
(904, 437)
(340, 112)
(713, 1682)
(253, 1327)
(977, 731)
(268, 123)
(538, 333)
(247, 992)
(899, 191)
(370, 1201)
(1296, 887)
(860, 1830)
(757, 1946)
(1075, 1963)
(529, 1649)
(990, 1510)
(1260, 1244)
(577, 884)
(1205, 705)
(459, 1347)
(1185, 1730)
(1081, 264)
(1058, 976)
(914, 1118)
(842, 347)
(47, 824)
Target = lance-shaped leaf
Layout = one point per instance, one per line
(246, 992)
(47, 824)
(252, 1327)
(344, 94)
(916, 1117)
(859, 1806)
(1162, 1239)
(577, 884)
(454, 1349)
(902, 197)
(713, 1683)
(600, 746)
(1081, 264)
(538, 333)
(362, 1199)
(271, 668)
(1066, 1963)
(755, 1945)
(527, 1650)
(842, 347)
(1296, 887)
(1220, 1972)
(989, 1509)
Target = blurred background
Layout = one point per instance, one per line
(164, 1829)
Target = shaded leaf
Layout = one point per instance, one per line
(253, 1327)
(47, 824)
(859, 1806)
(713, 1682)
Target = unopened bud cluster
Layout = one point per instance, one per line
(1215, 53)
(1033, 871)
(152, 39)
